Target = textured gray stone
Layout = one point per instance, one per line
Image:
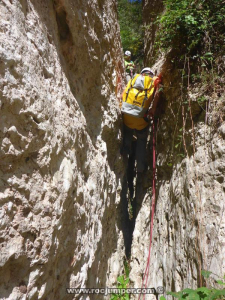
(189, 220)
(60, 169)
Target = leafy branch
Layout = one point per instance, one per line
(202, 293)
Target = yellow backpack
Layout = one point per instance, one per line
(138, 96)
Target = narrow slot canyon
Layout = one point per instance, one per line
(74, 211)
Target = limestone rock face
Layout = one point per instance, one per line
(189, 219)
(60, 169)
(189, 222)
(151, 9)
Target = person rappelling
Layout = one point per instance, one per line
(129, 66)
(138, 106)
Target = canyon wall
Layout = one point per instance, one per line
(63, 194)
(189, 222)
(60, 169)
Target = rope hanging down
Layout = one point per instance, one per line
(145, 278)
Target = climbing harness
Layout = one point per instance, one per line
(145, 278)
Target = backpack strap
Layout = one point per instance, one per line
(131, 86)
(127, 92)
(145, 98)
(138, 94)
(146, 95)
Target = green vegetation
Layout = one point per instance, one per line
(131, 29)
(202, 293)
(191, 33)
(190, 24)
(123, 282)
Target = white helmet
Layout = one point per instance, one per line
(127, 53)
(147, 70)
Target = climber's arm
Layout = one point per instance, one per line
(157, 95)
(155, 100)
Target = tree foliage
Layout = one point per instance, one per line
(190, 24)
(131, 29)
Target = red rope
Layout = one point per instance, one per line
(145, 278)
